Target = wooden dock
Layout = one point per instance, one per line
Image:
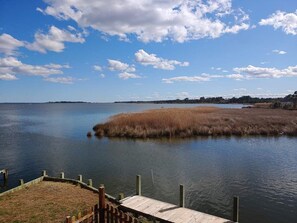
(165, 212)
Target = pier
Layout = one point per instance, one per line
(166, 212)
(129, 209)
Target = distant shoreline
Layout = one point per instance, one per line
(200, 121)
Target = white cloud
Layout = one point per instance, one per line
(154, 20)
(54, 40)
(281, 52)
(240, 89)
(237, 77)
(60, 80)
(126, 75)
(116, 65)
(8, 77)
(56, 66)
(282, 20)
(9, 45)
(102, 75)
(185, 79)
(10, 66)
(265, 72)
(97, 68)
(157, 62)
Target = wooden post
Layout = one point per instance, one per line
(235, 209)
(101, 204)
(90, 183)
(68, 219)
(79, 178)
(62, 175)
(96, 218)
(43, 173)
(21, 182)
(5, 175)
(121, 196)
(138, 185)
(181, 196)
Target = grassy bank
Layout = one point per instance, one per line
(45, 202)
(200, 121)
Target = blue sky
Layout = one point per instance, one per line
(105, 51)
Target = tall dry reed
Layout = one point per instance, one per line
(201, 121)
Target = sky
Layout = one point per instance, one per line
(117, 50)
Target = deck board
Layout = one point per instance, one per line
(168, 212)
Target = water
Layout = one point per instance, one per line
(262, 171)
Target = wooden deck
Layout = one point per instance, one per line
(163, 211)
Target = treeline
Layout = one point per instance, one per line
(220, 100)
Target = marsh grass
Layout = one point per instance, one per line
(200, 121)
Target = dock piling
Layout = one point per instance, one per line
(79, 178)
(181, 196)
(62, 175)
(121, 196)
(235, 209)
(90, 183)
(43, 173)
(138, 185)
(102, 204)
(21, 182)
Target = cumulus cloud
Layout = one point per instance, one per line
(126, 75)
(237, 77)
(8, 77)
(185, 79)
(265, 72)
(145, 59)
(281, 52)
(9, 45)
(11, 66)
(282, 20)
(177, 20)
(54, 40)
(97, 68)
(240, 73)
(60, 80)
(116, 65)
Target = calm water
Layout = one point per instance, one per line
(262, 171)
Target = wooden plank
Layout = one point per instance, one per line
(168, 212)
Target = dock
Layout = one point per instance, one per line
(165, 212)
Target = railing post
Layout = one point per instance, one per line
(62, 175)
(181, 196)
(43, 173)
(235, 209)
(90, 183)
(96, 217)
(138, 185)
(68, 219)
(101, 204)
(121, 196)
(5, 175)
(21, 182)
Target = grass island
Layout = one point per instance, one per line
(200, 121)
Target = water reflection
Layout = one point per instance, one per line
(262, 171)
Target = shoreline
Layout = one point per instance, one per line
(200, 121)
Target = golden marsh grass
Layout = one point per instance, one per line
(200, 121)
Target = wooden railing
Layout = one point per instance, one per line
(102, 213)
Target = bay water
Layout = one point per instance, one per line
(262, 171)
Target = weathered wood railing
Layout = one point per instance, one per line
(102, 213)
